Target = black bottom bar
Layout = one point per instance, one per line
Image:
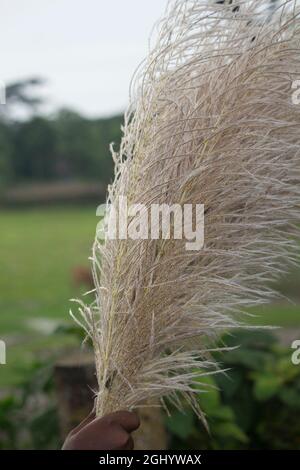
(95, 459)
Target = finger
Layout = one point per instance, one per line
(122, 439)
(129, 420)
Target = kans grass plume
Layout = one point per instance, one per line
(211, 121)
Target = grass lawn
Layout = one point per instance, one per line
(38, 250)
(285, 315)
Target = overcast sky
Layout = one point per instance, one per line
(86, 49)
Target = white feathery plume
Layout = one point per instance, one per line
(211, 121)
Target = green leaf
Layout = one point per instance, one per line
(266, 386)
(229, 430)
(224, 413)
(290, 397)
(209, 396)
(286, 369)
(230, 382)
(181, 424)
(252, 359)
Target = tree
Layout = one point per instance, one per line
(34, 152)
(19, 93)
(83, 145)
(6, 147)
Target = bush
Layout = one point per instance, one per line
(255, 404)
(28, 416)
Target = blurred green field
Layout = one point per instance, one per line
(38, 251)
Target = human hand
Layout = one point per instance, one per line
(111, 432)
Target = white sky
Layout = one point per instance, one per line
(86, 49)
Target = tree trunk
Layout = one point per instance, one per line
(75, 381)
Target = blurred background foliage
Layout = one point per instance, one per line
(54, 171)
(64, 146)
(254, 405)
